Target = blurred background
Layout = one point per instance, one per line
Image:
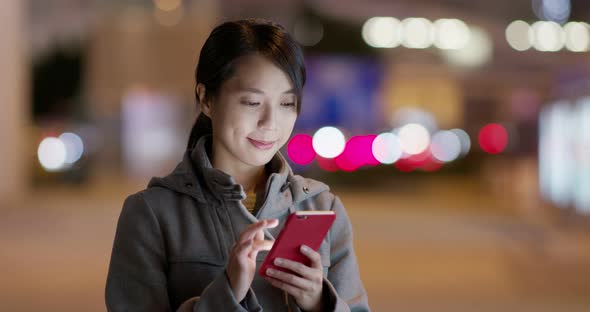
(456, 132)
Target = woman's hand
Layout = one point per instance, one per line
(306, 288)
(242, 260)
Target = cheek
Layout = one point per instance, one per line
(234, 120)
(287, 124)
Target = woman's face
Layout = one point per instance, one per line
(253, 114)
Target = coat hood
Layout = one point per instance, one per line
(195, 175)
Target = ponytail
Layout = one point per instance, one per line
(201, 127)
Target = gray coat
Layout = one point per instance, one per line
(173, 241)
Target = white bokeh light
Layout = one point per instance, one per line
(407, 115)
(577, 36)
(418, 33)
(445, 146)
(386, 148)
(517, 35)
(382, 32)
(477, 52)
(464, 139)
(547, 36)
(74, 146)
(414, 138)
(451, 34)
(52, 154)
(328, 142)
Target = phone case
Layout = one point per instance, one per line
(301, 228)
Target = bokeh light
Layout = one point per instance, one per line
(361, 151)
(167, 5)
(493, 138)
(52, 154)
(382, 32)
(73, 145)
(445, 146)
(477, 52)
(300, 149)
(552, 10)
(517, 35)
(417, 161)
(414, 138)
(386, 148)
(328, 142)
(408, 115)
(418, 33)
(547, 36)
(327, 164)
(577, 36)
(169, 18)
(346, 160)
(464, 139)
(451, 34)
(557, 164)
(357, 153)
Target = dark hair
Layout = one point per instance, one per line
(232, 40)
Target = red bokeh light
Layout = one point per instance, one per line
(300, 149)
(423, 161)
(327, 164)
(358, 152)
(493, 138)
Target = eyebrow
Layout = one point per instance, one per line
(254, 90)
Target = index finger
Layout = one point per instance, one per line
(314, 256)
(252, 229)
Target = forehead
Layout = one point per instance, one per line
(258, 72)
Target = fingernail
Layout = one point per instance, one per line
(278, 261)
(270, 271)
(304, 248)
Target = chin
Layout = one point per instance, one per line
(259, 158)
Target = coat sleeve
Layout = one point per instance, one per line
(343, 288)
(137, 279)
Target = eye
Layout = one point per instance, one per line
(288, 104)
(248, 103)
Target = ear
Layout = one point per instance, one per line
(200, 92)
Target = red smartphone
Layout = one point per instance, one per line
(301, 228)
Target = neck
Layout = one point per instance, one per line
(252, 179)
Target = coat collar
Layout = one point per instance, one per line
(195, 175)
(224, 186)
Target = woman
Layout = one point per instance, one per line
(192, 241)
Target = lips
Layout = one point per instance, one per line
(260, 144)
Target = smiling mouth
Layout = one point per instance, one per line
(264, 145)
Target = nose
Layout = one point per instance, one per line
(268, 119)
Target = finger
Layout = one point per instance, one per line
(290, 279)
(259, 235)
(314, 256)
(260, 246)
(254, 228)
(296, 267)
(243, 247)
(290, 289)
(251, 230)
(270, 223)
